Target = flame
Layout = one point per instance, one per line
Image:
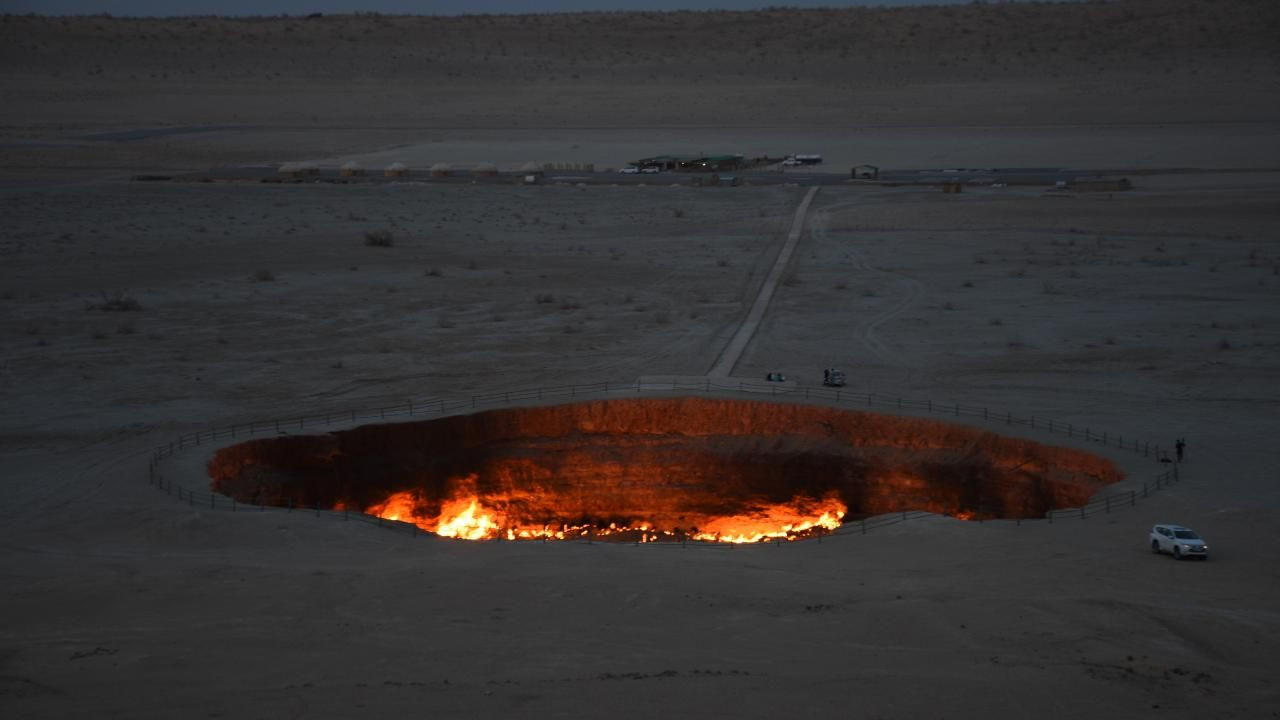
(468, 516)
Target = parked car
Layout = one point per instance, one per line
(1181, 542)
(630, 170)
(650, 169)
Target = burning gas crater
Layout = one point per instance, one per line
(659, 469)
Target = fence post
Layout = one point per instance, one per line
(1081, 512)
(411, 408)
(930, 404)
(211, 497)
(1144, 489)
(290, 504)
(1008, 418)
(899, 402)
(1133, 498)
(1175, 472)
(984, 413)
(277, 427)
(957, 409)
(864, 526)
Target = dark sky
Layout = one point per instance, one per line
(443, 7)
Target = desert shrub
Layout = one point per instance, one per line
(379, 238)
(117, 302)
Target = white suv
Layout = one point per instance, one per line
(1180, 541)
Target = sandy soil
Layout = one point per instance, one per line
(1152, 312)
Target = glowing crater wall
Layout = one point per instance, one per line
(660, 468)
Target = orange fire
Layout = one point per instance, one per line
(468, 516)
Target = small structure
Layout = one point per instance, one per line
(952, 187)
(298, 169)
(441, 170)
(485, 169)
(530, 167)
(397, 169)
(865, 172)
(691, 163)
(351, 168)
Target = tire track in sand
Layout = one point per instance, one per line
(909, 291)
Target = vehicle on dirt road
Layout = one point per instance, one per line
(1181, 542)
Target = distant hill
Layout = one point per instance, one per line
(1124, 61)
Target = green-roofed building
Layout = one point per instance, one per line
(691, 163)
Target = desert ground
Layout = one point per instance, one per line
(133, 312)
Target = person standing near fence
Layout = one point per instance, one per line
(1179, 446)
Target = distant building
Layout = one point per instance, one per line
(396, 169)
(691, 163)
(865, 172)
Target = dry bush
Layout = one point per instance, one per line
(119, 301)
(379, 238)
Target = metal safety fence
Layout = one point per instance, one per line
(158, 475)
